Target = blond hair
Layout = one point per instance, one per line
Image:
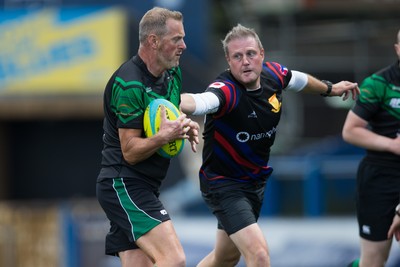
(239, 32)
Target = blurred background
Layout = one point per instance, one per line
(55, 59)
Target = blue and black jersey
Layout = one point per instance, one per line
(238, 137)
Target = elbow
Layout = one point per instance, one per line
(347, 136)
(188, 105)
(130, 158)
(132, 162)
(344, 135)
(187, 109)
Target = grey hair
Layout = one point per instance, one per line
(239, 32)
(154, 22)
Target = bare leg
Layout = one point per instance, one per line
(374, 254)
(161, 244)
(251, 243)
(134, 257)
(225, 253)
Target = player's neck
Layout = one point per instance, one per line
(150, 60)
(253, 89)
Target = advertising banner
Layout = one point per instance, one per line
(60, 51)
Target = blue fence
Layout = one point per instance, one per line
(309, 175)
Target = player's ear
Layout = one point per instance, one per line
(153, 40)
(227, 58)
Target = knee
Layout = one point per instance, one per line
(181, 261)
(174, 259)
(261, 258)
(177, 259)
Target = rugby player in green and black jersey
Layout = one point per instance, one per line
(141, 232)
(374, 124)
(243, 107)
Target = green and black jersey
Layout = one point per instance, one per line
(127, 94)
(379, 104)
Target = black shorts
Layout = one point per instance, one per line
(378, 190)
(133, 209)
(237, 207)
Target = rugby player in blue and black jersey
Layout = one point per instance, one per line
(243, 107)
(374, 124)
(141, 231)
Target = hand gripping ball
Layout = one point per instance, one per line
(152, 121)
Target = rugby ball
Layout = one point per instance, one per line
(152, 121)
